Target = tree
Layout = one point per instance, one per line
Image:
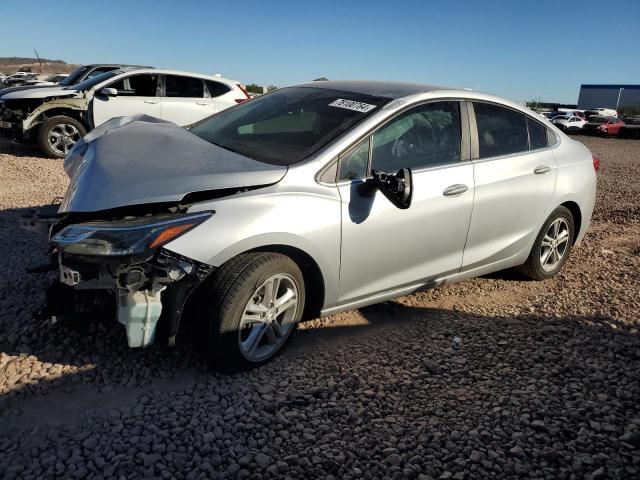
(254, 88)
(271, 88)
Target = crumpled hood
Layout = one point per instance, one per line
(35, 91)
(140, 159)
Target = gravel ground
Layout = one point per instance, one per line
(493, 377)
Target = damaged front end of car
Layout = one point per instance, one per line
(120, 266)
(136, 184)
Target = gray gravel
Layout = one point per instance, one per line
(493, 377)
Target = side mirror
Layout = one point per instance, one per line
(396, 187)
(109, 92)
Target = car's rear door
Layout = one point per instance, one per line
(183, 101)
(137, 93)
(515, 173)
(385, 248)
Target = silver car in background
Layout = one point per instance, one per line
(307, 201)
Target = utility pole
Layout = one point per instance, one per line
(618, 102)
(38, 57)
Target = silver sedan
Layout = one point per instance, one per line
(310, 200)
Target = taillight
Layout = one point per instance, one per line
(244, 90)
(596, 163)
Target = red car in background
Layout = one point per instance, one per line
(602, 126)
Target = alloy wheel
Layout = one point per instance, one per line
(62, 138)
(268, 317)
(555, 244)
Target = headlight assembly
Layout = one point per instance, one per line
(125, 237)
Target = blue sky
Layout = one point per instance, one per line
(518, 49)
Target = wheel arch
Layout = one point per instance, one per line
(55, 112)
(574, 208)
(72, 107)
(314, 285)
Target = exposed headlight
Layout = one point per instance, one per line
(125, 237)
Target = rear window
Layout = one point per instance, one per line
(501, 131)
(537, 134)
(286, 126)
(598, 120)
(216, 88)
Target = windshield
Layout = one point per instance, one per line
(288, 125)
(73, 77)
(598, 119)
(93, 81)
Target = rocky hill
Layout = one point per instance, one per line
(10, 65)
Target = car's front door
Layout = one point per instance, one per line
(184, 101)
(136, 94)
(515, 174)
(383, 247)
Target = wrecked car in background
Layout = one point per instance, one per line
(83, 72)
(57, 117)
(307, 201)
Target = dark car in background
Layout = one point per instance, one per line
(83, 72)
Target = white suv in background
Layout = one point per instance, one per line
(569, 124)
(179, 97)
(58, 117)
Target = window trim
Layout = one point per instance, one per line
(475, 144)
(465, 144)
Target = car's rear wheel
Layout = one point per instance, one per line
(256, 303)
(552, 246)
(59, 134)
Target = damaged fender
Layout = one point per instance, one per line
(72, 103)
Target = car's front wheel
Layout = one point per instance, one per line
(552, 246)
(59, 134)
(256, 302)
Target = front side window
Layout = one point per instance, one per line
(355, 163)
(537, 134)
(286, 126)
(425, 136)
(501, 131)
(186, 87)
(136, 86)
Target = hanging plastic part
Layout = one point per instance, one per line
(139, 313)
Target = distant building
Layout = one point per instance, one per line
(606, 96)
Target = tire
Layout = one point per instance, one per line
(57, 135)
(534, 267)
(225, 306)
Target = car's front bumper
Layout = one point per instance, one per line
(146, 295)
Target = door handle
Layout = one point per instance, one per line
(202, 103)
(455, 190)
(542, 169)
(151, 101)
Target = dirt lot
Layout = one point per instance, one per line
(496, 376)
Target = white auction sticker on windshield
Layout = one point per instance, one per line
(352, 105)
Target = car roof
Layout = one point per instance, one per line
(122, 65)
(375, 88)
(176, 72)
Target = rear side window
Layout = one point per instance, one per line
(538, 134)
(186, 87)
(501, 131)
(216, 88)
